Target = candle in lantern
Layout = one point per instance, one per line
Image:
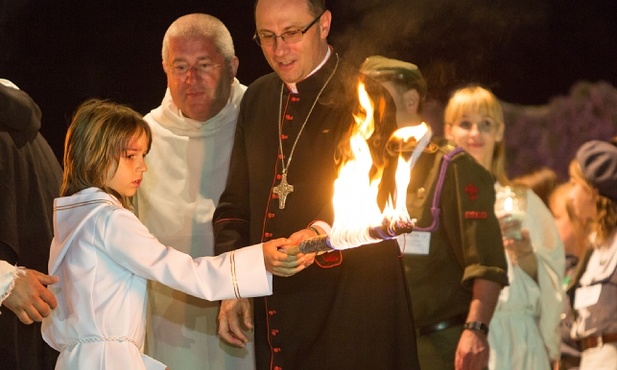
(510, 207)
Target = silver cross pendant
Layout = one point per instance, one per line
(282, 190)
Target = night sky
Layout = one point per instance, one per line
(64, 51)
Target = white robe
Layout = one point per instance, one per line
(104, 257)
(187, 170)
(524, 332)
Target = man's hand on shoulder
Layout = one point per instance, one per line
(30, 299)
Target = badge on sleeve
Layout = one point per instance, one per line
(472, 191)
(476, 215)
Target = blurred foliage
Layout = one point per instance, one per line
(550, 135)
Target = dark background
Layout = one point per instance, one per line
(64, 51)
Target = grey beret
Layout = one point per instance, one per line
(598, 160)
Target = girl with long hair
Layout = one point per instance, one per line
(104, 256)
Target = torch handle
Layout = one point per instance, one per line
(389, 229)
(319, 243)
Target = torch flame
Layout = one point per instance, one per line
(406, 160)
(355, 194)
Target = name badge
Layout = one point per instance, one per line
(587, 296)
(416, 242)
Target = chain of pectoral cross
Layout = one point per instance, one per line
(283, 189)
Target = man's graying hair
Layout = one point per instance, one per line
(199, 24)
(316, 7)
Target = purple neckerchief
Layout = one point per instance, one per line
(442, 176)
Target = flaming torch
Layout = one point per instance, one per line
(358, 219)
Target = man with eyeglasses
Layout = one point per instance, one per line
(192, 133)
(456, 233)
(349, 309)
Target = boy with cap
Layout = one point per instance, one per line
(593, 291)
(456, 233)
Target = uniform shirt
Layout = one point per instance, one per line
(465, 242)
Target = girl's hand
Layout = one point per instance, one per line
(278, 262)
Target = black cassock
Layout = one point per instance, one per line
(350, 309)
(30, 178)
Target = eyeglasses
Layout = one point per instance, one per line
(290, 36)
(202, 68)
(482, 126)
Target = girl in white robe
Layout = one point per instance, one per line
(104, 256)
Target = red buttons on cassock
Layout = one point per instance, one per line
(268, 235)
(284, 137)
(276, 350)
(271, 215)
(278, 176)
(272, 312)
(274, 332)
(280, 156)
(278, 368)
(289, 117)
(295, 99)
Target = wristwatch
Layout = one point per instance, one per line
(477, 326)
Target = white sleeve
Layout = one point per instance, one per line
(550, 255)
(8, 273)
(235, 274)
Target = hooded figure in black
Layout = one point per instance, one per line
(30, 178)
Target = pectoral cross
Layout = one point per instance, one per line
(282, 190)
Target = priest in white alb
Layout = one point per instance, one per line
(193, 132)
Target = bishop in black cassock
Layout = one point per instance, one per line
(350, 309)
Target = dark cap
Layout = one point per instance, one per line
(382, 68)
(598, 160)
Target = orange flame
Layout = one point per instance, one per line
(403, 168)
(355, 193)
